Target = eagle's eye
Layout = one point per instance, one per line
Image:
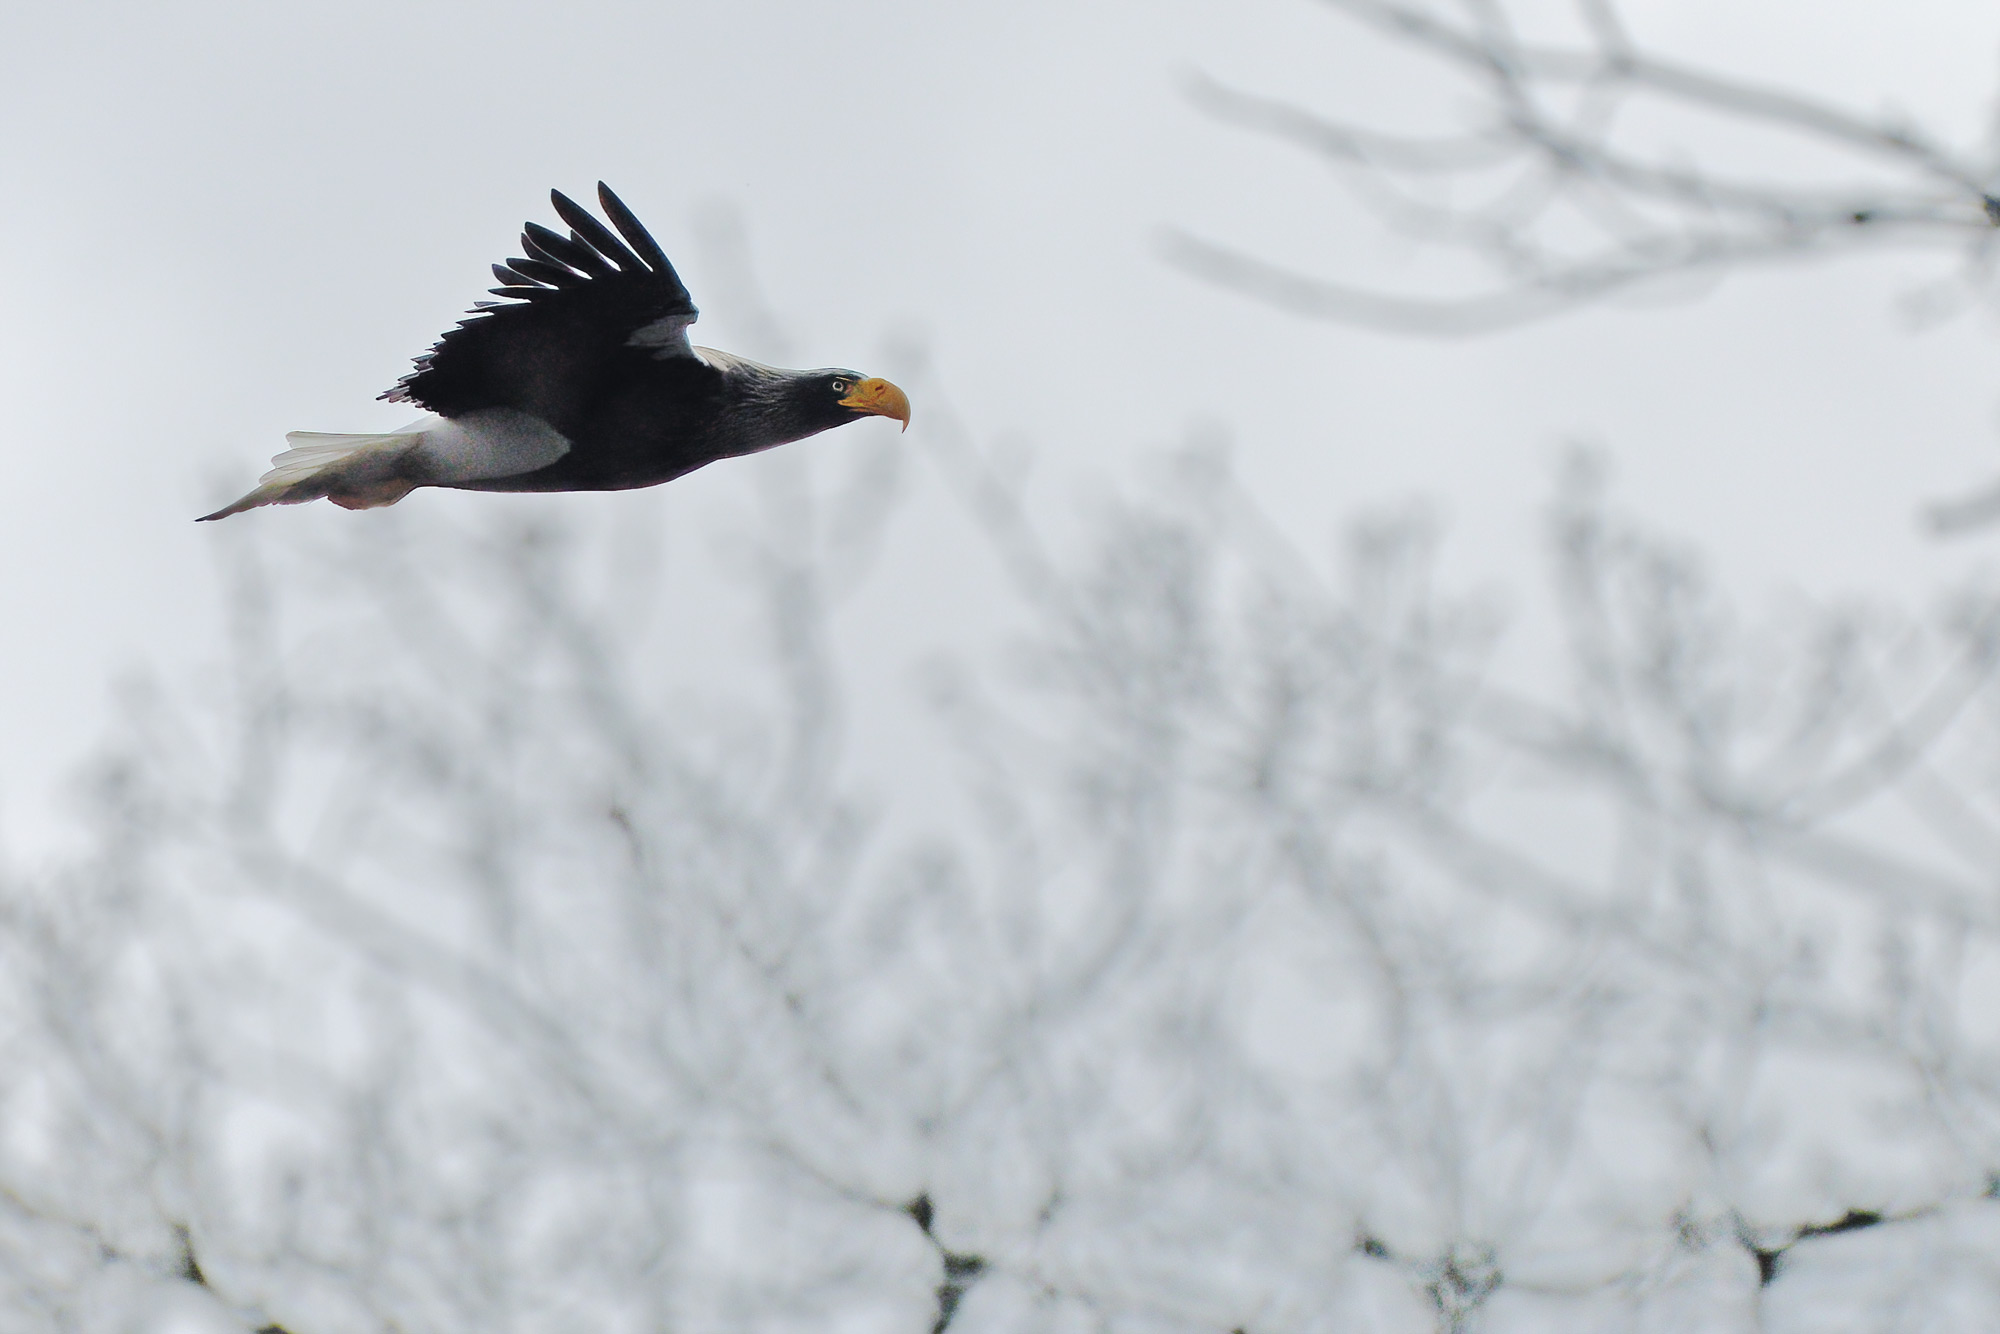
(840, 386)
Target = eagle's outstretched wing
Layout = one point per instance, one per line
(580, 309)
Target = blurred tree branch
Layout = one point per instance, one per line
(1554, 193)
(447, 971)
(461, 957)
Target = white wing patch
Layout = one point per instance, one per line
(667, 336)
(478, 446)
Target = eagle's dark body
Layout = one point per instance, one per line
(652, 422)
(582, 379)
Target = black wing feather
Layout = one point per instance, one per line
(593, 233)
(551, 275)
(537, 251)
(566, 250)
(563, 334)
(633, 230)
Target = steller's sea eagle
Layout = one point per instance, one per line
(581, 379)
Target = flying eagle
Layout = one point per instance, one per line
(581, 379)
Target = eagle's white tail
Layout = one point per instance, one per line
(355, 472)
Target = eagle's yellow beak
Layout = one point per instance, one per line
(879, 398)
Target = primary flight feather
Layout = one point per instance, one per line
(581, 379)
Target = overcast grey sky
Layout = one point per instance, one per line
(228, 221)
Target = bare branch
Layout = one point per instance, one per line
(1550, 194)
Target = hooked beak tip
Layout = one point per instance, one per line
(877, 397)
